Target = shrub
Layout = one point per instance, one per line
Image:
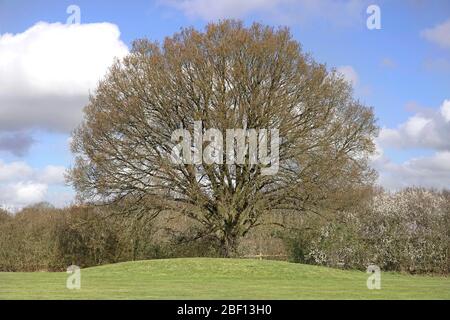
(26, 240)
(404, 231)
(44, 238)
(85, 237)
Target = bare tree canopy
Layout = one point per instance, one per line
(227, 77)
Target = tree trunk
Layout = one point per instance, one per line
(228, 245)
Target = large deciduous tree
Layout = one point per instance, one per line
(227, 77)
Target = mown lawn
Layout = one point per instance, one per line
(203, 278)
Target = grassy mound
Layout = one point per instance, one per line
(204, 278)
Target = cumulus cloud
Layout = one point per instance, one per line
(445, 110)
(19, 170)
(13, 171)
(428, 129)
(439, 35)
(47, 71)
(22, 185)
(52, 175)
(428, 171)
(285, 11)
(22, 193)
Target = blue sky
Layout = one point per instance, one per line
(402, 70)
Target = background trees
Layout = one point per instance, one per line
(227, 77)
(405, 231)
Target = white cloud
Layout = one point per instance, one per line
(428, 171)
(415, 126)
(349, 74)
(20, 170)
(28, 192)
(439, 35)
(429, 130)
(14, 196)
(284, 11)
(445, 110)
(47, 71)
(14, 171)
(22, 185)
(52, 175)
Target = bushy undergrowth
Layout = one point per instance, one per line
(43, 238)
(405, 231)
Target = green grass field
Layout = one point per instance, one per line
(219, 279)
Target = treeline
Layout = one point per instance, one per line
(42, 238)
(407, 231)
